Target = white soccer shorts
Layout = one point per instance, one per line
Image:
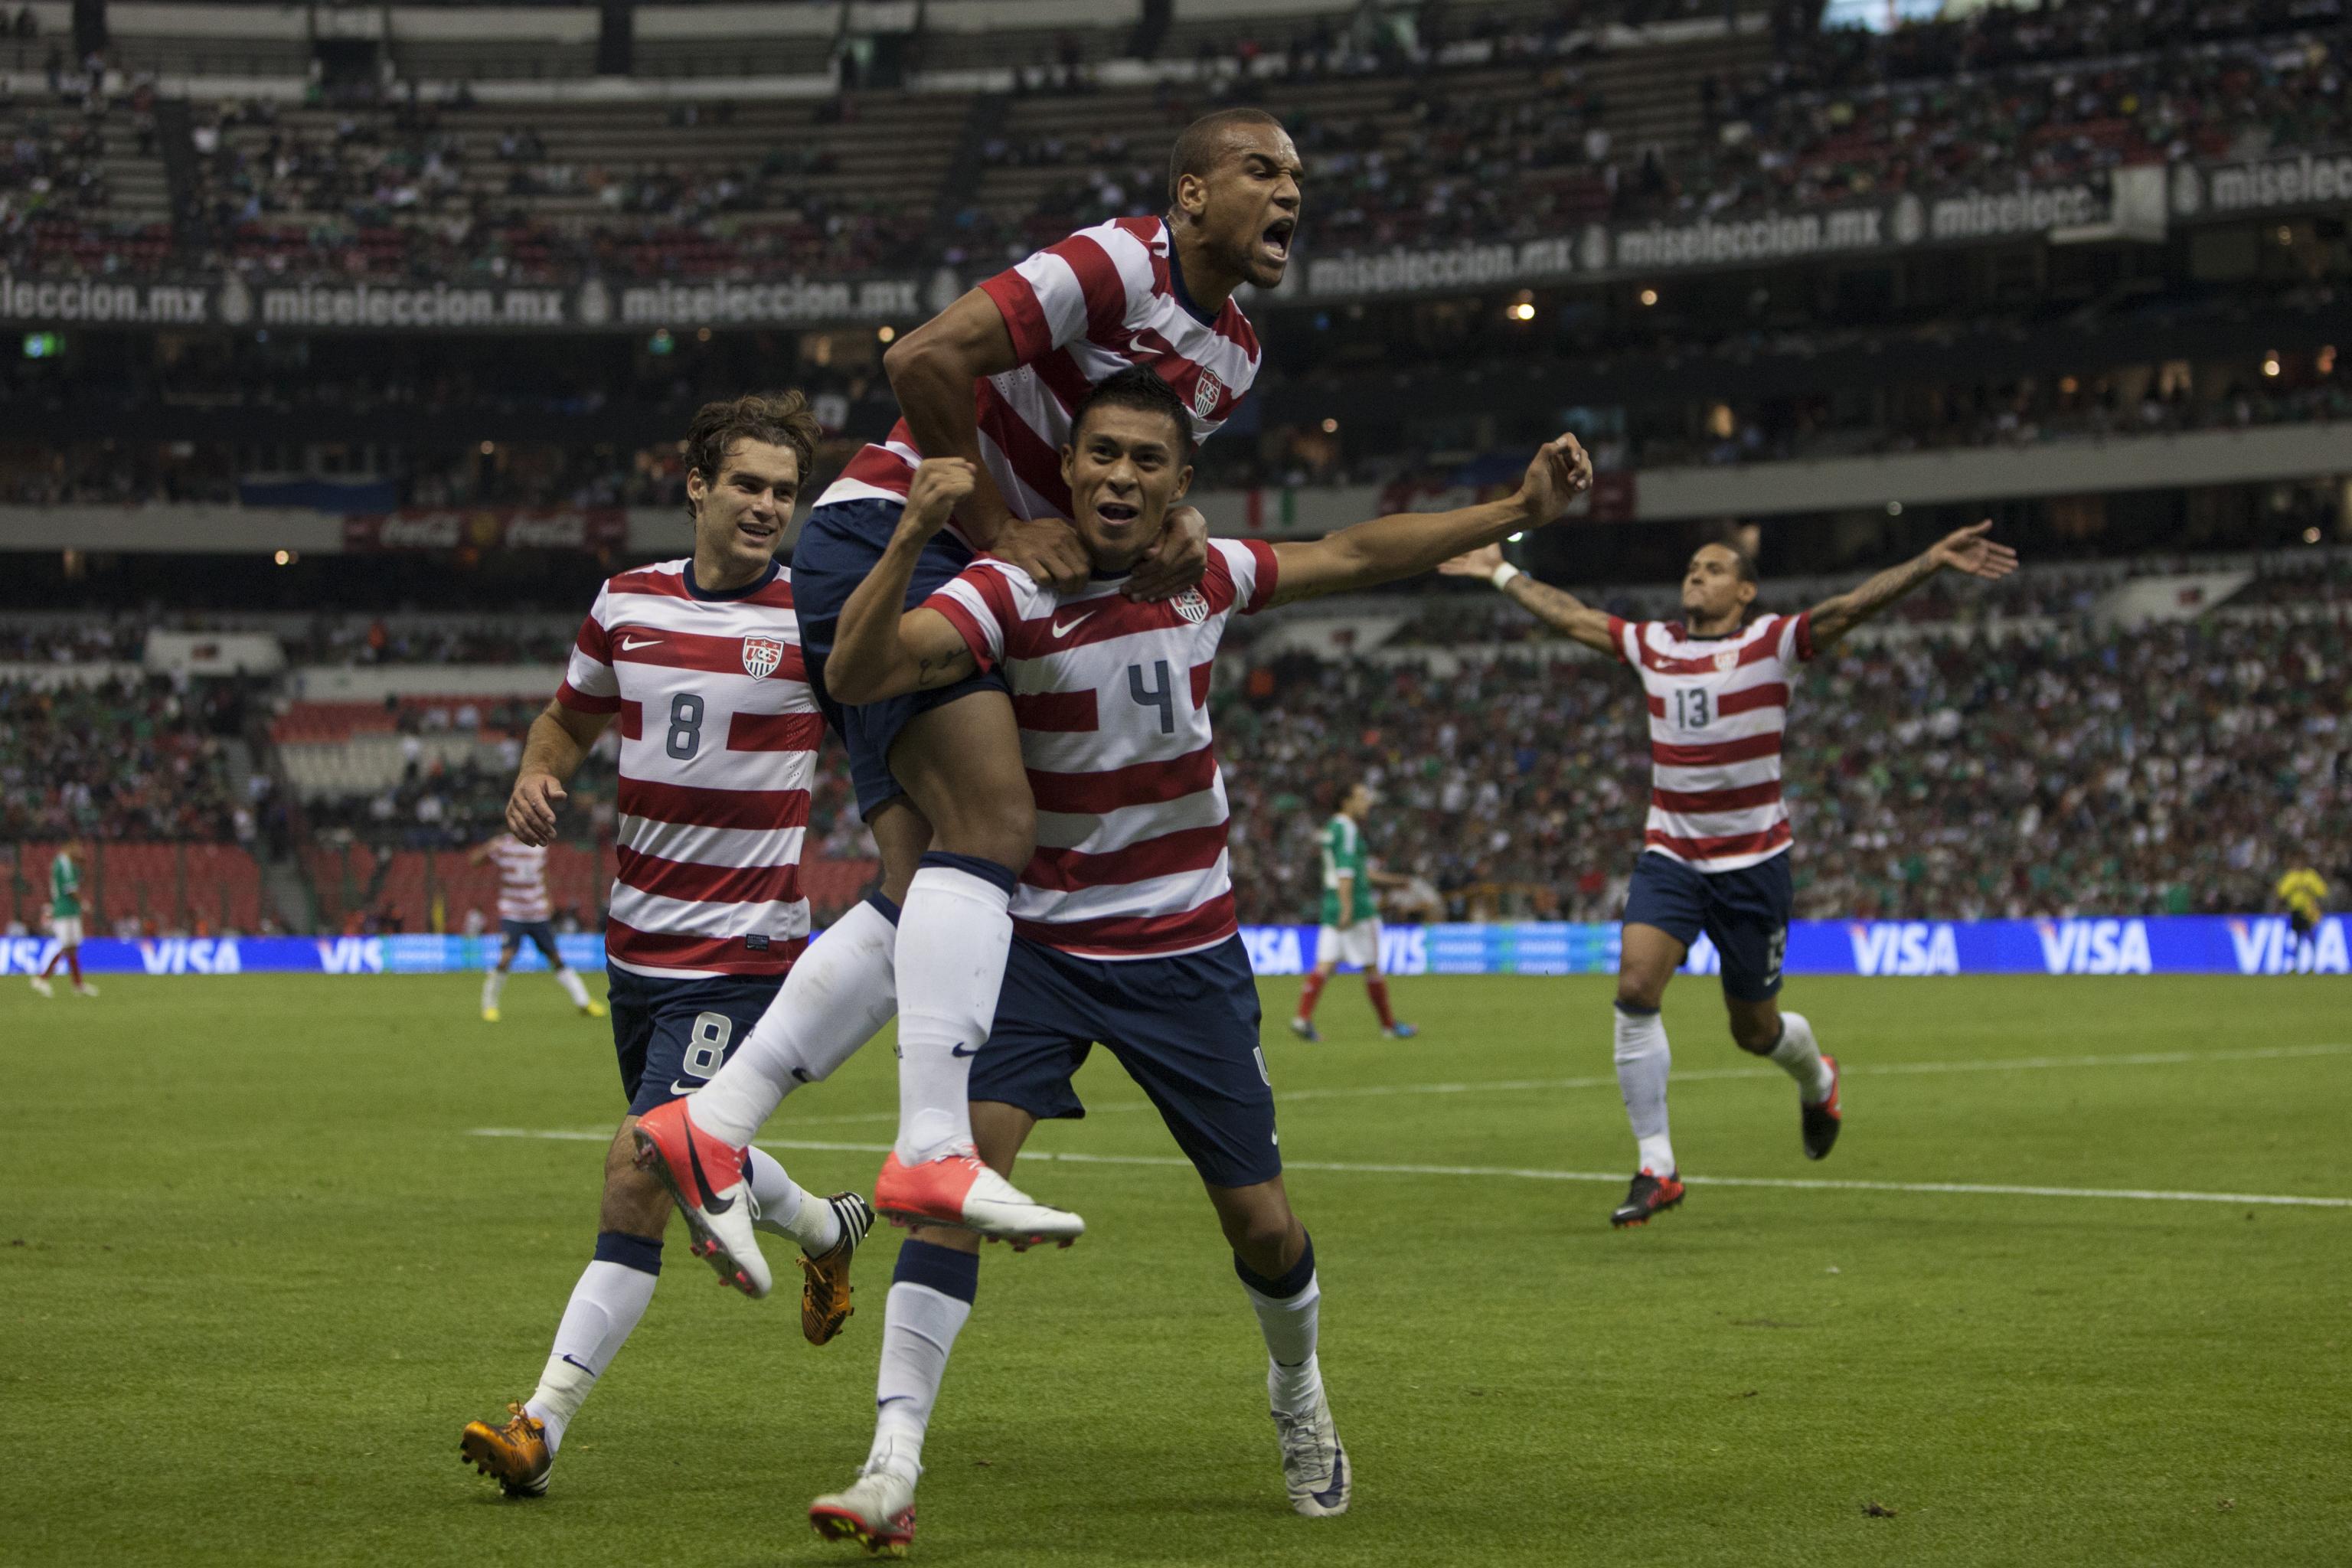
(1359, 944)
(66, 928)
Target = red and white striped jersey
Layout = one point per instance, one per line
(718, 738)
(522, 878)
(1717, 707)
(1079, 312)
(1113, 701)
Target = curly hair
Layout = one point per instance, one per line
(779, 418)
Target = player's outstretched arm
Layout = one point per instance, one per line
(932, 371)
(1963, 550)
(877, 651)
(1407, 544)
(1555, 608)
(558, 743)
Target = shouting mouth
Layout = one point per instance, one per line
(1115, 515)
(1276, 239)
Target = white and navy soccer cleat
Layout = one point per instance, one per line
(1314, 1464)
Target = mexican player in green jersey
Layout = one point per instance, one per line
(1351, 918)
(65, 921)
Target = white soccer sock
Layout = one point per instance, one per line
(786, 1208)
(1642, 1062)
(839, 993)
(605, 1306)
(1800, 1056)
(570, 980)
(494, 982)
(919, 1324)
(953, 935)
(1293, 1378)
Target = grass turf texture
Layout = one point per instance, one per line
(257, 1273)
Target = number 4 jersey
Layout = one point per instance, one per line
(1718, 709)
(718, 738)
(1112, 698)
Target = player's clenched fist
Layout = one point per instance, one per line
(941, 484)
(1562, 470)
(531, 810)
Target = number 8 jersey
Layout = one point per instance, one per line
(1718, 709)
(718, 738)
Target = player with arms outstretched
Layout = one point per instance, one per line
(1716, 849)
(993, 381)
(525, 914)
(701, 662)
(1127, 932)
(1351, 917)
(65, 919)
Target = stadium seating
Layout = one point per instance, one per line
(192, 888)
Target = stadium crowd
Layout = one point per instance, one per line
(2169, 769)
(120, 760)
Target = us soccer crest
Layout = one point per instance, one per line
(1726, 659)
(1205, 392)
(1191, 606)
(760, 656)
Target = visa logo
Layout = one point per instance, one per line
(351, 955)
(1273, 950)
(2268, 945)
(2093, 947)
(1905, 947)
(191, 955)
(1404, 949)
(1703, 958)
(24, 955)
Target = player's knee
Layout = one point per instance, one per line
(993, 828)
(1756, 1034)
(1259, 1233)
(1639, 992)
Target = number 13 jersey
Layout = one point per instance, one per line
(1718, 709)
(718, 739)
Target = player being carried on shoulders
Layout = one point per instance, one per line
(1716, 851)
(993, 380)
(525, 913)
(700, 660)
(1351, 917)
(1127, 934)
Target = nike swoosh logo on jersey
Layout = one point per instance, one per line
(628, 646)
(962, 1050)
(1063, 629)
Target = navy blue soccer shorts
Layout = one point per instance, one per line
(1185, 1028)
(1745, 913)
(540, 934)
(839, 546)
(672, 1035)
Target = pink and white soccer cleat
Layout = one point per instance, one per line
(705, 1178)
(958, 1190)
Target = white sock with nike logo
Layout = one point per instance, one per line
(838, 996)
(1643, 1061)
(1800, 1056)
(603, 1312)
(784, 1207)
(953, 935)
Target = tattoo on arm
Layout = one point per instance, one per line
(942, 669)
(1560, 609)
(1848, 610)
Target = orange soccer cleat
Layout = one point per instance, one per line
(516, 1452)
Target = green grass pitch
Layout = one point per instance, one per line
(257, 1268)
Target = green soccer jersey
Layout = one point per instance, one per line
(1343, 856)
(65, 888)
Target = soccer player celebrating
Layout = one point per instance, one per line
(524, 912)
(1716, 851)
(1127, 933)
(1351, 918)
(700, 660)
(65, 921)
(993, 381)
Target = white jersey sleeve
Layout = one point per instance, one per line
(1256, 570)
(985, 601)
(589, 684)
(1093, 286)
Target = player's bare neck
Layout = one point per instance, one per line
(723, 574)
(1205, 284)
(1722, 625)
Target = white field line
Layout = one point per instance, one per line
(1707, 1075)
(1350, 1168)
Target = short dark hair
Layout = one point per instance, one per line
(1197, 148)
(1743, 565)
(1137, 387)
(779, 418)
